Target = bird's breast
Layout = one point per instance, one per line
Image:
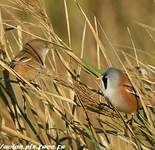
(123, 103)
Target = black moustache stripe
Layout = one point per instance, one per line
(104, 79)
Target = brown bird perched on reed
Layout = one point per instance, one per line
(30, 61)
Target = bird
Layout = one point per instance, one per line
(30, 61)
(119, 91)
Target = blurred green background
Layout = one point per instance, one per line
(114, 17)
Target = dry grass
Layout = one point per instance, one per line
(66, 108)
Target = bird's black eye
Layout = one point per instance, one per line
(104, 79)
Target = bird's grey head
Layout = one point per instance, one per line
(110, 78)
